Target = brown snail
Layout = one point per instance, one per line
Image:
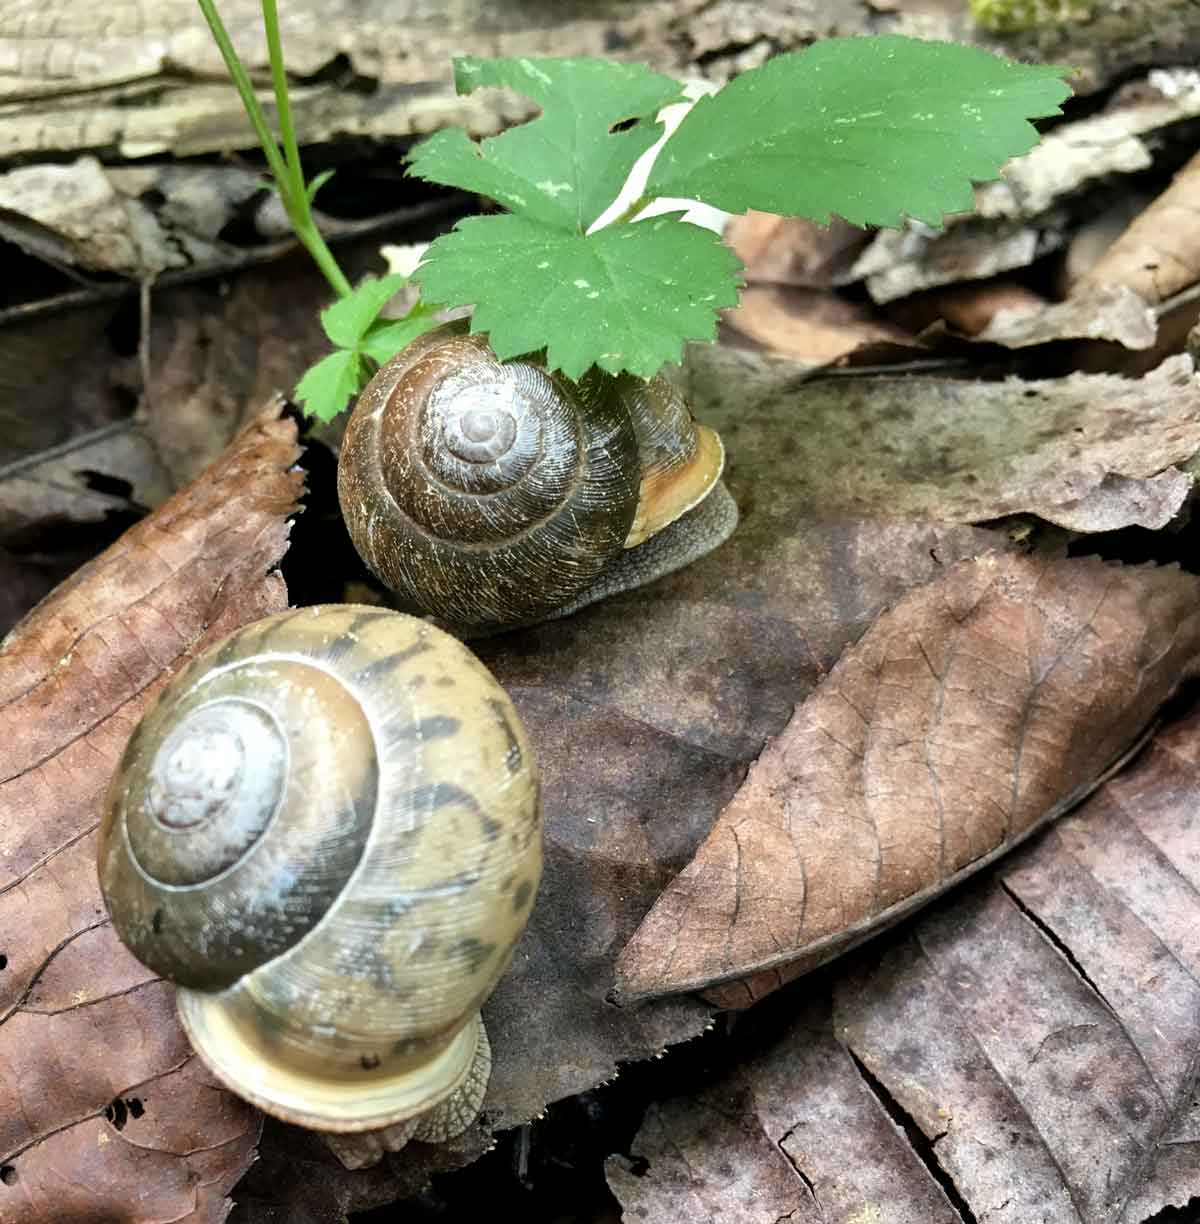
(493, 494)
(327, 833)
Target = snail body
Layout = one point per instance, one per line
(493, 494)
(327, 833)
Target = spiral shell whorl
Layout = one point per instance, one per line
(352, 931)
(486, 493)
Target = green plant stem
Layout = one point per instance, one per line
(285, 165)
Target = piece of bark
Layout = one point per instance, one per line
(1159, 253)
(918, 257)
(1093, 312)
(976, 710)
(74, 215)
(1024, 1052)
(1086, 151)
(83, 1026)
(1083, 451)
(149, 80)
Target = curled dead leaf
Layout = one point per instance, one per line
(1159, 252)
(98, 1079)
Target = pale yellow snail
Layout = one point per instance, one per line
(327, 833)
(491, 494)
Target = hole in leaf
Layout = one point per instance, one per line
(136, 1108)
(639, 1166)
(8, 1175)
(3, 961)
(156, 921)
(622, 125)
(100, 482)
(117, 1114)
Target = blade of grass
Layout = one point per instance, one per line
(285, 165)
(241, 81)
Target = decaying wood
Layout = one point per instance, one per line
(1089, 452)
(143, 78)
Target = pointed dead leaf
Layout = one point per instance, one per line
(809, 324)
(977, 709)
(1159, 253)
(84, 1028)
(794, 250)
(1025, 1052)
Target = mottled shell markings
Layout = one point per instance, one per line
(324, 845)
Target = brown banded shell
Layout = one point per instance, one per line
(485, 493)
(327, 832)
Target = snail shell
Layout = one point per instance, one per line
(327, 833)
(494, 494)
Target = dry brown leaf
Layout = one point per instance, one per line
(59, 377)
(686, 679)
(793, 250)
(811, 325)
(968, 308)
(83, 1027)
(1082, 451)
(1159, 253)
(977, 709)
(1096, 235)
(107, 472)
(1026, 1052)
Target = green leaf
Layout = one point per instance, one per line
(348, 320)
(623, 298)
(388, 336)
(868, 128)
(327, 387)
(565, 167)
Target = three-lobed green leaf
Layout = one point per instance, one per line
(623, 298)
(870, 129)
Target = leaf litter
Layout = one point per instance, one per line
(103, 1101)
(1024, 1051)
(691, 679)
